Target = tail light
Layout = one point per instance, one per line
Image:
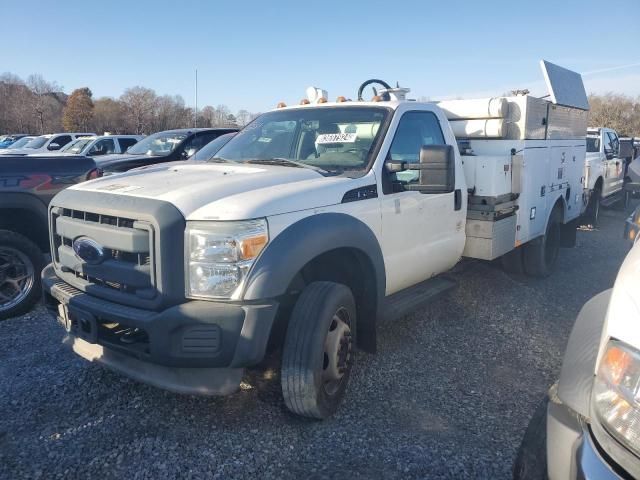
(95, 173)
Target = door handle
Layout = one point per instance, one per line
(457, 199)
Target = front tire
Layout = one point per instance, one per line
(319, 350)
(625, 199)
(21, 262)
(593, 208)
(531, 460)
(540, 255)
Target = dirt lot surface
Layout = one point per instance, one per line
(448, 395)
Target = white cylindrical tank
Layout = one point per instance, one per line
(485, 128)
(494, 107)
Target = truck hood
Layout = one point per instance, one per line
(623, 315)
(206, 191)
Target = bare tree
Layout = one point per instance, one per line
(139, 104)
(45, 105)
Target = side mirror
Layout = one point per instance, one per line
(437, 169)
(190, 152)
(54, 146)
(608, 154)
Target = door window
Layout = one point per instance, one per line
(615, 143)
(414, 130)
(61, 140)
(105, 146)
(608, 146)
(126, 143)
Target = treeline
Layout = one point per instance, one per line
(613, 110)
(38, 106)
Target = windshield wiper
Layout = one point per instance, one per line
(287, 162)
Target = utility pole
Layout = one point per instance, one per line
(195, 117)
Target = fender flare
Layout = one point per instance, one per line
(303, 241)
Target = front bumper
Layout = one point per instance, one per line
(572, 451)
(197, 347)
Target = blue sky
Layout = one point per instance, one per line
(252, 54)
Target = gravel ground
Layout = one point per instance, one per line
(448, 395)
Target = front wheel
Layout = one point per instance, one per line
(21, 262)
(319, 350)
(625, 199)
(592, 213)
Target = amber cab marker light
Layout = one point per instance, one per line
(322, 100)
(304, 101)
(281, 105)
(341, 99)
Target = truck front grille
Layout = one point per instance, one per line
(126, 268)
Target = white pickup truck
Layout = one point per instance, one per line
(604, 173)
(312, 224)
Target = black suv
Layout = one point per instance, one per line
(160, 147)
(27, 185)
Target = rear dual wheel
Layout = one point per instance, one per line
(538, 257)
(319, 350)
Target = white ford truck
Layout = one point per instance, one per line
(604, 173)
(307, 228)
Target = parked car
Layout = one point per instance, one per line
(8, 140)
(604, 173)
(589, 424)
(167, 146)
(206, 153)
(18, 144)
(45, 143)
(210, 149)
(97, 145)
(27, 185)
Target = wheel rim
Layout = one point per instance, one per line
(337, 355)
(552, 244)
(16, 277)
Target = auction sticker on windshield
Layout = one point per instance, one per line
(336, 138)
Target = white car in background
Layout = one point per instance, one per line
(97, 145)
(46, 143)
(589, 424)
(17, 145)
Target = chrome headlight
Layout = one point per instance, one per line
(220, 254)
(616, 394)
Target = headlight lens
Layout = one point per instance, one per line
(617, 394)
(220, 254)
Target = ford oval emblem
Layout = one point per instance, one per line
(88, 250)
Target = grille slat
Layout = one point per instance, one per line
(133, 266)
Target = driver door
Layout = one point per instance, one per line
(423, 233)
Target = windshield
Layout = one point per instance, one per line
(22, 142)
(37, 142)
(593, 144)
(211, 148)
(335, 139)
(77, 146)
(158, 144)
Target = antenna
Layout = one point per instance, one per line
(195, 115)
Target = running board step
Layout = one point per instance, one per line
(611, 199)
(406, 301)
